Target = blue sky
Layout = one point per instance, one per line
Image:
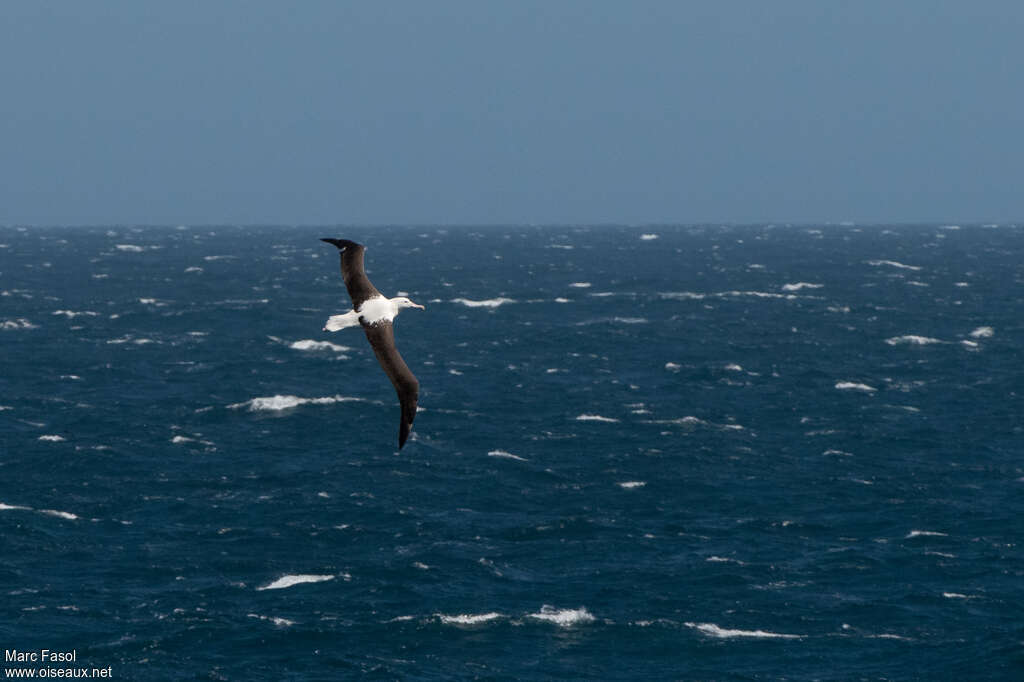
(487, 112)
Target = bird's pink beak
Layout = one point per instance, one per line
(417, 305)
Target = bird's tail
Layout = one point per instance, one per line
(340, 243)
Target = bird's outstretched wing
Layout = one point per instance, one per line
(352, 271)
(382, 337)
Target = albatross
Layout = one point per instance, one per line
(376, 314)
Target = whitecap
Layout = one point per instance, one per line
(925, 533)
(912, 339)
(285, 402)
(580, 285)
(133, 248)
(9, 507)
(292, 580)
(182, 439)
(630, 485)
(52, 438)
(73, 313)
(733, 367)
(20, 323)
(893, 264)
(673, 366)
(725, 560)
(59, 514)
(854, 386)
(982, 333)
(310, 344)
(682, 295)
(956, 595)
(280, 622)
(487, 303)
(561, 300)
(469, 619)
(648, 237)
(725, 633)
(193, 268)
(564, 618)
(506, 455)
(595, 418)
(801, 285)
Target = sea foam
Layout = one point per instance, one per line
(725, 633)
(913, 340)
(292, 580)
(564, 618)
(854, 386)
(276, 403)
(468, 619)
(487, 303)
(310, 344)
(506, 455)
(893, 264)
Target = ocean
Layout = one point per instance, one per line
(694, 452)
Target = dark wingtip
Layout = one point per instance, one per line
(340, 243)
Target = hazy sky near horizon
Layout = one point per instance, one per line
(532, 111)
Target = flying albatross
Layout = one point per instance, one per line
(376, 314)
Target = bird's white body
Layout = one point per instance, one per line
(373, 311)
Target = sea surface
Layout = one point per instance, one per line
(657, 453)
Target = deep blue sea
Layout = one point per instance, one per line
(642, 453)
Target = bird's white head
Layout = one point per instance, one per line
(403, 302)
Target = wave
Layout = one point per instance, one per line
(292, 580)
(894, 264)
(580, 285)
(487, 303)
(982, 333)
(619, 320)
(132, 248)
(725, 633)
(130, 339)
(310, 344)
(506, 455)
(276, 403)
(648, 237)
(49, 512)
(52, 438)
(736, 293)
(595, 418)
(801, 285)
(690, 420)
(563, 618)
(913, 340)
(925, 533)
(469, 619)
(20, 323)
(854, 386)
(59, 514)
(73, 313)
(280, 622)
(631, 485)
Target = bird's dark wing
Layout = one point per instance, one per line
(352, 271)
(382, 338)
